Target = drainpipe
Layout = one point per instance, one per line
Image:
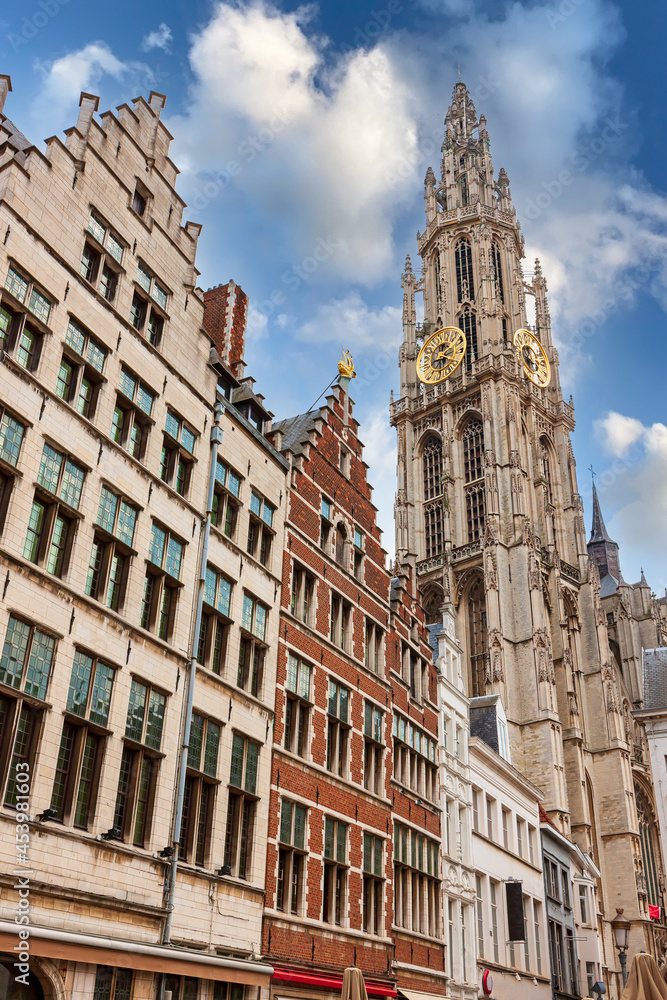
(216, 441)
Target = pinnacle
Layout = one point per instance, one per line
(599, 531)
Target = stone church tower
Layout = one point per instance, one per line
(488, 513)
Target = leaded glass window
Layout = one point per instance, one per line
(465, 285)
(432, 467)
(477, 638)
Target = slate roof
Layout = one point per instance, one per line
(296, 430)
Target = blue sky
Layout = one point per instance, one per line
(309, 128)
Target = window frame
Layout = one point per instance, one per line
(10, 453)
(201, 785)
(42, 546)
(241, 812)
(158, 612)
(373, 882)
(226, 501)
(133, 415)
(82, 369)
(298, 706)
(213, 642)
(261, 532)
(292, 855)
(335, 868)
(339, 729)
(146, 308)
(175, 454)
(102, 258)
(22, 317)
(115, 554)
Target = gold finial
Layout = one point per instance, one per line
(346, 365)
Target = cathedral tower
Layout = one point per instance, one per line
(489, 515)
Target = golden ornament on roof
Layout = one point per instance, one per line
(346, 366)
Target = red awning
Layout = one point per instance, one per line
(329, 982)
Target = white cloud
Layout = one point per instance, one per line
(618, 433)
(82, 70)
(353, 324)
(159, 38)
(326, 150)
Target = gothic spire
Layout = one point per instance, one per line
(602, 549)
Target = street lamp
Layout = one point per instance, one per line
(621, 928)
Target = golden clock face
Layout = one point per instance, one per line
(441, 355)
(534, 360)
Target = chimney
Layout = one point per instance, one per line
(225, 320)
(5, 88)
(77, 139)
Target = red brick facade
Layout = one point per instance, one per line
(225, 319)
(332, 747)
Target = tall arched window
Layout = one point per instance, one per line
(473, 450)
(465, 285)
(498, 272)
(467, 321)
(473, 469)
(341, 539)
(436, 276)
(545, 469)
(477, 638)
(650, 853)
(432, 465)
(465, 197)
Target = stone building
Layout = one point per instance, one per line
(110, 390)
(489, 516)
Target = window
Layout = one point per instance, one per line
(477, 638)
(112, 550)
(291, 858)
(591, 978)
(303, 593)
(341, 547)
(81, 745)
(344, 462)
(450, 936)
(490, 817)
(479, 910)
(475, 810)
(358, 555)
(139, 764)
(226, 991)
(531, 844)
(148, 311)
(415, 759)
(467, 321)
(24, 291)
(140, 201)
(414, 672)
(433, 528)
(373, 646)
(373, 748)
(101, 258)
(335, 871)
(537, 920)
(200, 787)
(25, 665)
(583, 904)
(225, 499)
(565, 883)
(465, 285)
(260, 529)
(112, 984)
(53, 514)
(571, 961)
(176, 462)
(373, 885)
(338, 728)
(648, 839)
(12, 432)
(432, 467)
(158, 607)
(557, 956)
(519, 836)
(552, 875)
(340, 623)
(473, 457)
(131, 421)
(325, 523)
(416, 884)
(81, 367)
(241, 806)
(252, 648)
(215, 621)
(506, 832)
(545, 470)
(497, 271)
(298, 701)
(493, 897)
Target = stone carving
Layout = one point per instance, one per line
(534, 575)
(491, 570)
(496, 670)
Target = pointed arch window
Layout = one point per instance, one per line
(465, 285)
(473, 450)
(436, 274)
(463, 186)
(467, 321)
(477, 637)
(545, 469)
(498, 272)
(475, 511)
(432, 466)
(647, 839)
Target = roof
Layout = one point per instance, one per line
(608, 585)
(434, 631)
(296, 430)
(599, 531)
(654, 663)
(15, 138)
(245, 391)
